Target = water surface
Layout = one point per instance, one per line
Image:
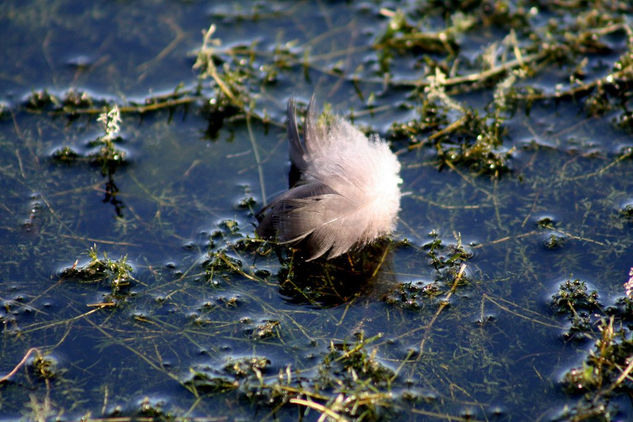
(213, 318)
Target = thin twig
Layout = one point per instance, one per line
(19, 365)
(319, 407)
(443, 305)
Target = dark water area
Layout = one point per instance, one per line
(135, 286)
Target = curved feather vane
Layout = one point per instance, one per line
(347, 194)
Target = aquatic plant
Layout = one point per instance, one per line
(607, 366)
(502, 112)
(117, 275)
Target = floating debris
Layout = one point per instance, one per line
(347, 194)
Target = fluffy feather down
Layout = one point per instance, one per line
(347, 194)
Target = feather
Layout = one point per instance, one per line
(347, 194)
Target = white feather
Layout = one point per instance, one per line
(347, 195)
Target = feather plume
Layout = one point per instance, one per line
(347, 194)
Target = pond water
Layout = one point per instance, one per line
(132, 282)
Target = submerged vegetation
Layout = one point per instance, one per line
(513, 122)
(606, 370)
(348, 382)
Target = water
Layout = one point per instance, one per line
(176, 339)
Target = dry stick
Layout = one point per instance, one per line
(507, 238)
(347, 307)
(581, 238)
(458, 80)
(479, 76)
(605, 80)
(383, 258)
(448, 129)
(623, 375)
(532, 208)
(28, 353)
(399, 368)
(487, 74)
(359, 346)
(320, 408)
(238, 270)
(126, 109)
(443, 305)
(19, 365)
(294, 390)
(140, 109)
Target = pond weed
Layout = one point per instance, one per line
(504, 112)
(117, 275)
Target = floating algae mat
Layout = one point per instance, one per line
(139, 140)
